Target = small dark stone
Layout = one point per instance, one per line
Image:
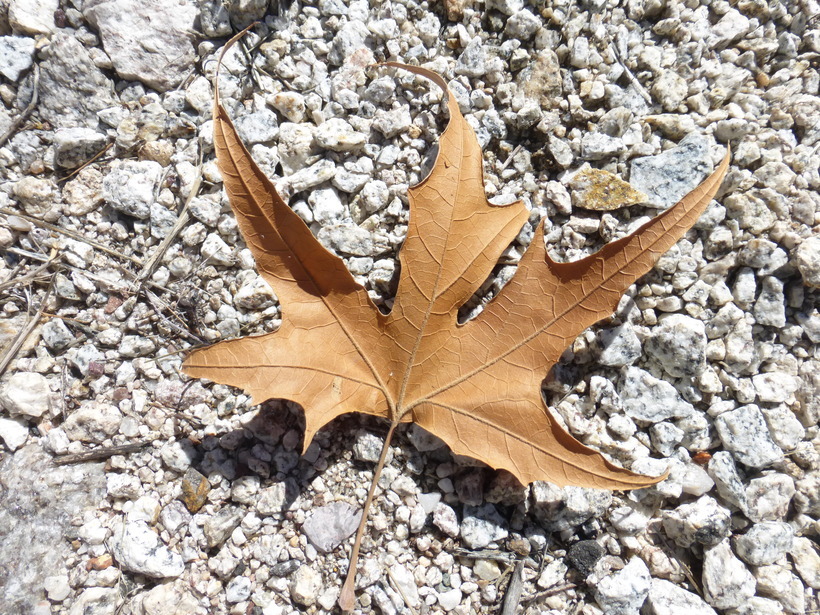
(284, 569)
(583, 555)
(470, 487)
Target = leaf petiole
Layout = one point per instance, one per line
(347, 599)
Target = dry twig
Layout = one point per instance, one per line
(102, 453)
(26, 112)
(21, 337)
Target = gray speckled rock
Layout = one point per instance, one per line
(139, 549)
(729, 485)
(666, 598)
(765, 543)
(678, 342)
(147, 40)
(16, 56)
(74, 146)
(130, 186)
(624, 592)
(703, 521)
(669, 176)
(806, 561)
(72, 88)
(219, 526)
(743, 431)
(331, 524)
(481, 526)
(768, 497)
(649, 399)
(726, 581)
(619, 346)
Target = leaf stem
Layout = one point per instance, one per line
(347, 599)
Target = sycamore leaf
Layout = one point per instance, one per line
(476, 385)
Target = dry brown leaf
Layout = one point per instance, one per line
(477, 385)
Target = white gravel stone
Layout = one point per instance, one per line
(703, 521)
(289, 104)
(137, 548)
(726, 581)
(807, 258)
(744, 432)
(57, 587)
(768, 497)
(624, 592)
(147, 41)
(93, 422)
(806, 561)
(326, 206)
(219, 526)
(272, 499)
(444, 518)
(16, 56)
(216, 251)
(450, 599)
(338, 135)
(667, 598)
(649, 399)
(770, 307)
(679, 345)
(774, 387)
(258, 127)
(96, 601)
(130, 186)
(330, 525)
(254, 294)
(123, 486)
(238, 590)
(305, 586)
(619, 346)
(13, 432)
(33, 16)
(765, 543)
(784, 427)
(732, 26)
(26, 393)
(481, 526)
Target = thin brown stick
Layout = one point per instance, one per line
(151, 264)
(18, 342)
(19, 280)
(27, 111)
(72, 234)
(560, 589)
(513, 596)
(102, 453)
(86, 163)
(347, 599)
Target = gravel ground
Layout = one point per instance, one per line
(120, 252)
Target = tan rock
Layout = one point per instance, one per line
(600, 190)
